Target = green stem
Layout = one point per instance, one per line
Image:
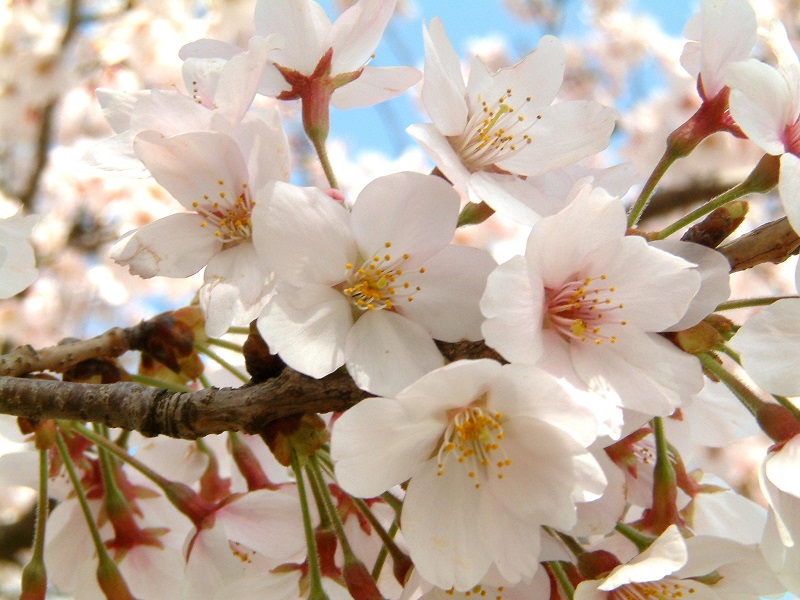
(391, 500)
(635, 212)
(639, 539)
(239, 330)
(563, 579)
(740, 389)
(157, 383)
(318, 481)
(387, 537)
(314, 574)
(732, 194)
(204, 381)
(569, 541)
(728, 351)
(222, 362)
(383, 553)
(34, 575)
(749, 302)
(322, 154)
(225, 344)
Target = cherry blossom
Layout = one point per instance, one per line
(765, 103)
(492, 452)
(17, 260)
(586, 301)
(503, 122)
(372, 288)
(315, 53)
(768, 343)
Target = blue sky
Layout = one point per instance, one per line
(382, 127)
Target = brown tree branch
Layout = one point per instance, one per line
(772, 242)
(190, 415)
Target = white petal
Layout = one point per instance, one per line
(729, 34)
(523, 200)
(386, 352)
(375, 85)
(441, 152)
(194, 167)
(117, 106)
(769, 343)
(513, 305)
(781, 467)
(441, 529)
(264, 146)
(302, 234)
(443, 88)
(208, 48)
(169, 113)
(267, 521)
(759, 103)
(239, 79)
(155, 249)
(307, 327)
(356, 33)
(415, 213)
(566, 133)
(538, 76)
(714, 270)
(450, 290)
(378, 444)
(303, 24)
(789, 188)
(664, 556)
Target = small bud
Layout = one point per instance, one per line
(777, 422)
(34, 580)
(595, 565)
(359, 582)
(304, 433)
(703, 337)
(260, 363)
(717, 226)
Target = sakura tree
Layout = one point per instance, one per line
(522, 361)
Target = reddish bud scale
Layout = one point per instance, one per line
(623, 452)
(717, 226)
(249, 467)
(327, 542)
(34, 581)
(359, 582)
(111, 581)
(597, 564)
(189, 502)
(777, 422)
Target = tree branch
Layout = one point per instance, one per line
(190, 415)
(772, 242)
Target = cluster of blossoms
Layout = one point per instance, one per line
(538, 464)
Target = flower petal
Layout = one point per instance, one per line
(386, 352)
(375, 85)
(307, 327)
(303, 24)
(443, 88)
(357, 32)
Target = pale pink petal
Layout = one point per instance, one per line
(714, 271)
(264, 146)
(194, 167)
(781, 467)
(378, 444)
(664, 556)
(169, 113)
(239, 80)
(760, 103)
(155, 249)
(566, 133)
(769, 344)
(443, 88)
(513, 323)
(307, 327)
(439, 526)
(789, 188)
(152, 573)
(304, 27)
(416, 214)
(302, 234)
(357, 32)
(450, 290)
(524, 200)
(386, 352)
(439, 149)
(268, 521)
(375, 85)
(534, 81)
(115, 156)
(208, 48)
(117, 106)
(558, 245)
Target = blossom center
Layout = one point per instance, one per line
(380, 282)
(668, 589)
(495, 131)
(473, 439)
(791, 138)
(228, 213)
(579, 310)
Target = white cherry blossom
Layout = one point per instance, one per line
(586, 302)
(372, 288)
(503, 122)
(492, 453)
(17, 260)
